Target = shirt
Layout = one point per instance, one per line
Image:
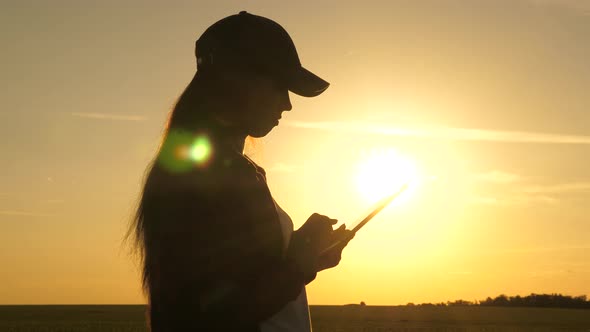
(216, 244)
(294, 316)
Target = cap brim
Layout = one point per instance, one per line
(305, 83)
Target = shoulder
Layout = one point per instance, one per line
(222, 170)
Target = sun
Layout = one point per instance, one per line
(383, 172)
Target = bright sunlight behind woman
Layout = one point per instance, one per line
(383, 172)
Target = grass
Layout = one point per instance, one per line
(130, 318)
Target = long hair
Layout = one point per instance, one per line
(186, 113)
(190, 110)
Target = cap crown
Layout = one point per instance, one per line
(247, 40)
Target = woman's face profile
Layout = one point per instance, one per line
(261, 101)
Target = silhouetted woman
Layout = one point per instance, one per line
(218, 253)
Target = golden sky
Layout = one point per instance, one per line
(486, 100)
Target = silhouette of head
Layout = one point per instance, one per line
(252, 63)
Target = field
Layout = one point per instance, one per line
(128, 318)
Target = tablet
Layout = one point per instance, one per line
(380, 206)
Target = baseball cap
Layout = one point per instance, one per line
(260, 44)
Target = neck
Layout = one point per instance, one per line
(235, 138)
(238, 143)
(230, 132)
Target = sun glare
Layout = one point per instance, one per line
(383, 172)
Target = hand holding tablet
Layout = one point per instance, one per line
(380, 206)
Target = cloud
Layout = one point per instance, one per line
(563, 188)
(541, 250)
(496, 176)
(549, 273)
(443, 132)
(24, 213)
(550, 249)
(512, 199)
(105, 116)
(580, 6)
(526, 194)
(282, 168)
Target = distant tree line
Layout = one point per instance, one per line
(533, 300)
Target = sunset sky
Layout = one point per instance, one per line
(485, 105)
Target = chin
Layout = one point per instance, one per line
(260, 131)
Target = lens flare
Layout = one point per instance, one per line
(200, 151)
(182, 151)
